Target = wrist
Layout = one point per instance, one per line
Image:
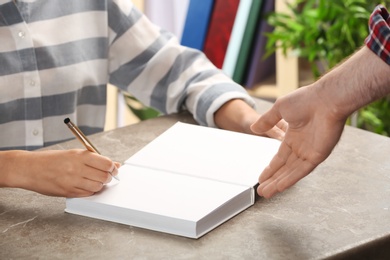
(361, 79)
(330, 101)
(13, 168)
(236, 115)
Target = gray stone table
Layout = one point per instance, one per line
(340, 211)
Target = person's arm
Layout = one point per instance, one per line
(361, 80)
(71, 173)
(170, 77)
(316, 116)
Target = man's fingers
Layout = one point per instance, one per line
(278, 161)
(299, 170)
(275, 168)
(276, 133)
(282, 124)
(282, 179)
(269, 179)
(275, 171)
(267, 191)
(266, 121)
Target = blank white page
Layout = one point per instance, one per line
(208, 153)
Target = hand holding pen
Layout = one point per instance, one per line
(62, 173)
(84, 140)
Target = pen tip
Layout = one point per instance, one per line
(66, 120)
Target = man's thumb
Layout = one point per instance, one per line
(265, 122)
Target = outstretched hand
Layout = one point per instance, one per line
(313, 131)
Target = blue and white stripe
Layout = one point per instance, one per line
(57, 56)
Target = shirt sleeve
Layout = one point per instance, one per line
(378, 40)
(151, 64)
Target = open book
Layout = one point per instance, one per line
(186, 182)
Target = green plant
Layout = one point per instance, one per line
(376, 117)
(324, 33)
(139, 110)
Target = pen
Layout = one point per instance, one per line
(83, 139)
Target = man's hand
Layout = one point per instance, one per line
(312, 133)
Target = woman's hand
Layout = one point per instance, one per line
(69, 173)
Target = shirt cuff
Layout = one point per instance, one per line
(379, 37)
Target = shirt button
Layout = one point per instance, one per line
(35, 132)
(32, 83)
(21, 34)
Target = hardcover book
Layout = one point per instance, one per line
(220, 29)
(246, 46)
(236, 37)
(186, 182)
(197, 23)
(260, 67)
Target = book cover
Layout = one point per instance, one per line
(220, 29)
(197, 23)
(260, 68)
(247, 42)
(236, 37)
(186, 182)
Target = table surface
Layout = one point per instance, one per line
(339, 211)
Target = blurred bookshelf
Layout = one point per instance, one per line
(291, 73)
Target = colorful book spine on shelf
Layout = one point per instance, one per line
(197, 23)
(259, 68)
(247, 42)
(220, 29)
(236, 37)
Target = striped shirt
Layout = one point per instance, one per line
(379, 38)
(57, 56)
